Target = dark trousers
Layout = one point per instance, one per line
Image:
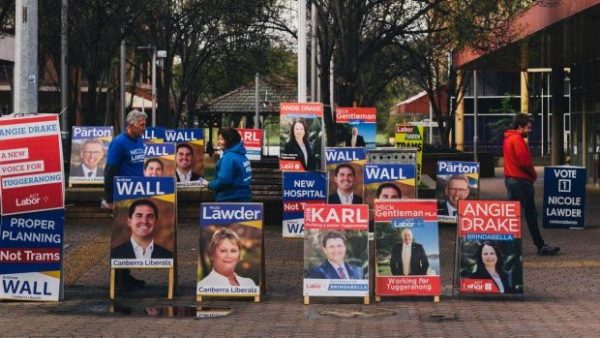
(522, 191)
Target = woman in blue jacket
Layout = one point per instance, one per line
(234, 174)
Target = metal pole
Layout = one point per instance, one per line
(64, 73)
(313, 52)
(301, 50)
(122, 86)
(475, 117)
(26, 57)
(430, 123)
(153, 86)
(256, 106)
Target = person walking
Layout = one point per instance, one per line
(520, 175)
(233, 172)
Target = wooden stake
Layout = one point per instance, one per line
(306, 300)
(112, 284)
(171, 283)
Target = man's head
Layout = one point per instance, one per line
(136, 123)
(388, 191)
(457, 189)
(184, 157)
(344, 177)
(407, 236)
(334, 247)
(153, 167)
(92, 153)
(523, 124)
(354, 131)
(142, 218)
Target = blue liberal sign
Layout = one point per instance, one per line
(564, 197)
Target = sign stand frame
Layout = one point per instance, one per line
(170, 284)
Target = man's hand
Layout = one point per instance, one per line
(105, 205)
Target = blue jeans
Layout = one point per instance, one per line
(522, 191)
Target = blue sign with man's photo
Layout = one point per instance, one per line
(564, 197)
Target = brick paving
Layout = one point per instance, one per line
(561, 294)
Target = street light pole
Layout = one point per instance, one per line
(153, 86)
(26, 57)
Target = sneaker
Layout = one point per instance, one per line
(548, 250)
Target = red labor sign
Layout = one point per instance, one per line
(31, 170)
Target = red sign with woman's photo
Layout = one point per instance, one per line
(301, 136)
(490, 253)
(31, 170)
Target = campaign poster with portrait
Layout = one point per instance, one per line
(189, 156)
(356, 126)
(336, 250)
(31, 164)
(230, 249)
(299, 189)
(489, 249)
(455, 181)
(408, 136)
(154, 135)
(407, 256)
(345, 172)
(389, 181)
(301, 135)
(252, 139)
(159, 159)
(31, 255)
(89, 146)
(143, 228)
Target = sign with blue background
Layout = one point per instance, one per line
(564, 197)
(300, 188)
(31, 255)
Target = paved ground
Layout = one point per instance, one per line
(561, 295)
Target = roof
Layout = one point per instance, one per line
(540, 26)
(419, 104)
(242, 100)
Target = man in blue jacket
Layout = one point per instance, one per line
(233, 172)
(334, 248)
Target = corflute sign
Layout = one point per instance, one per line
(31, 168)
(564, 197)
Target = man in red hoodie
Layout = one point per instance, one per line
(519, 177)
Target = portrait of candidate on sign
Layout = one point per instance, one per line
(229, 256)
(159, 159)
(88, 154)
(331, 254)
(143, 230)
(450, 190)
(406, 251)
(495, 264)
(301, 142)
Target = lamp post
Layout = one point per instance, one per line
(161, 54)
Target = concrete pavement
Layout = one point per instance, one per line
(561, 294)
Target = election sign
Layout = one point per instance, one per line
(159, 159)
(455, 181)
(31, 255)
(301, 135)
(389, 181)
(345, 171)
(189, 155)
(407, 248)
(564, 197)
(31, 164)
(336, 250)
(252, 139)
(89, 146)
(357, 126)
(154, 135)
(143, 229)
(230, 252)
(300, 188)
(489, 247)
(408, 136)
